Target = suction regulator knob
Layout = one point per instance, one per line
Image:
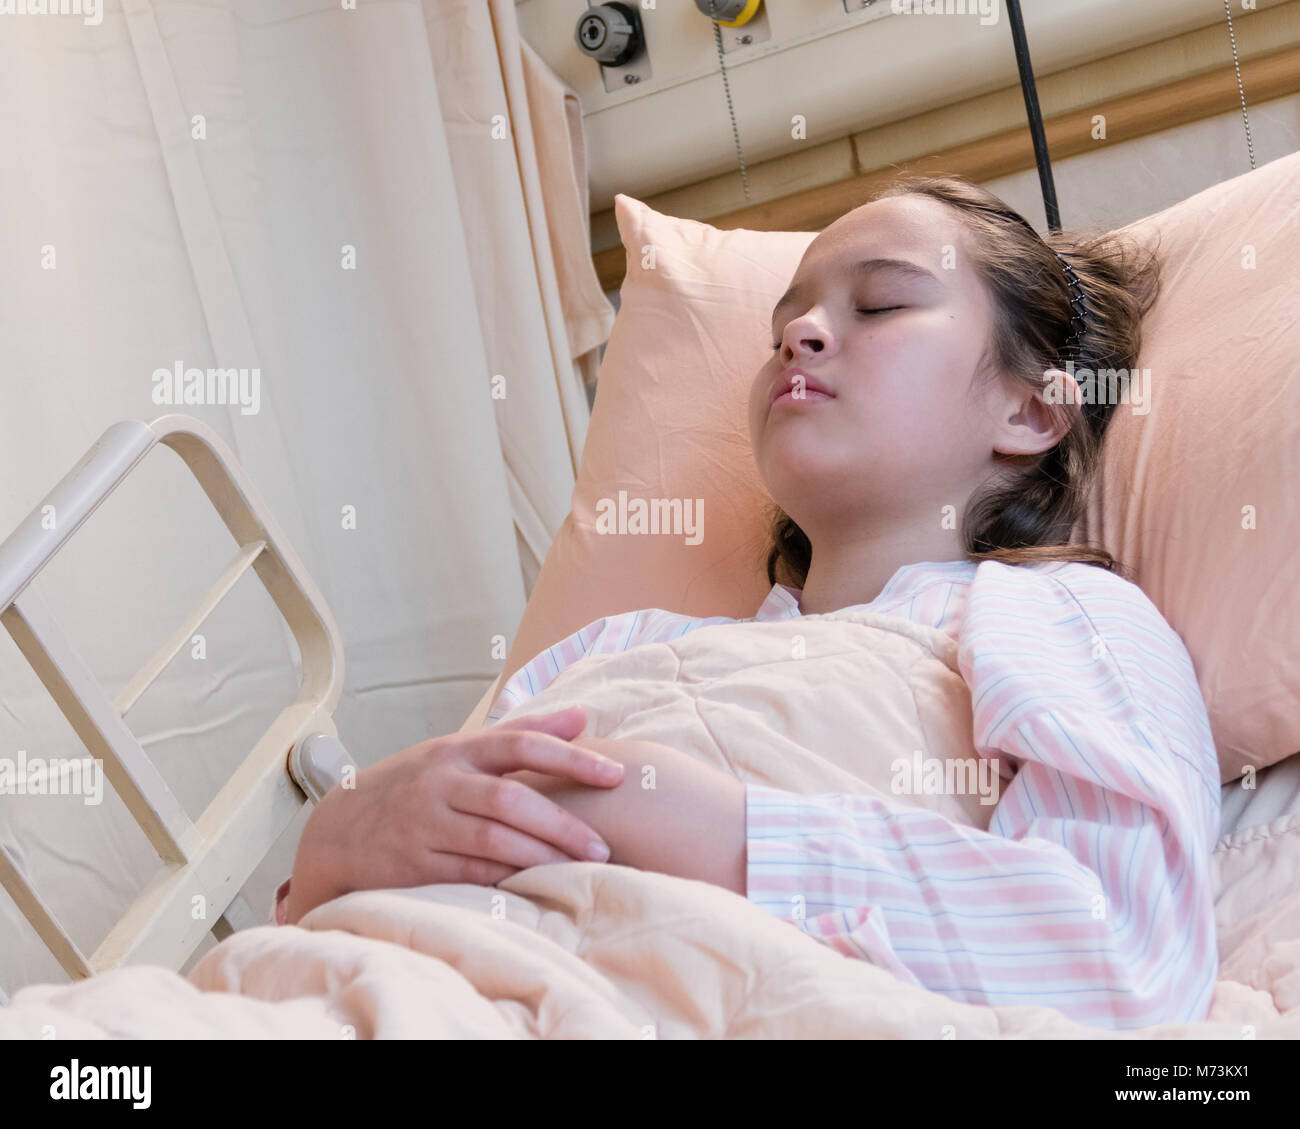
(610, 33)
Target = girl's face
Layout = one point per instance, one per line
(887, 315)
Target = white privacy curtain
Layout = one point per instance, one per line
(383, 211)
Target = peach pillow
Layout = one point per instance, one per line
(1198, 496)
(670, 422)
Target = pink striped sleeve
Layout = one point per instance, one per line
(1091, 891)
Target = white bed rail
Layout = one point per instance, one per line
(205, 862)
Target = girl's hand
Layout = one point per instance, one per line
(441, 812)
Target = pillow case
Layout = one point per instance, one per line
(1196, 496)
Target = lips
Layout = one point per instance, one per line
(795, 378)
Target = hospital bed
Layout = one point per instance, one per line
(206, 861)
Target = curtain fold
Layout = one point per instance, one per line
(515, 133)
(364, 208)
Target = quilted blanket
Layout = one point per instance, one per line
(822, 703)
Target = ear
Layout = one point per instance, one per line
(1032, 421)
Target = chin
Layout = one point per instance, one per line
(800, 454)
(797, 486)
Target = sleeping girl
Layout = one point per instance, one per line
(904, 428)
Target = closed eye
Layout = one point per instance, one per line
(880, 310)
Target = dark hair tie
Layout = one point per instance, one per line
(1078, 310)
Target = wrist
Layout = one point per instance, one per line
(319, 871)
(307, 890)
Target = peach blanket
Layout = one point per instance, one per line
(582, 950)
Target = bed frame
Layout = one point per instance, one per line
(296, 759)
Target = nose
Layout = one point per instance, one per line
(805, 336)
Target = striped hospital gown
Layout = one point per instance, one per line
(1091, 890)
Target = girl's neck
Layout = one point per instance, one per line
(845, 574)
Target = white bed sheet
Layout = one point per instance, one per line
(1276, 793)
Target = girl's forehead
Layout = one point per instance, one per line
(897, 234)
(910, 224)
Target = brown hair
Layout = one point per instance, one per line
(1030, 516)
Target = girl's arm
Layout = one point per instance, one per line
(671, 813)
(1091, 892)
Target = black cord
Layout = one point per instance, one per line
(1041, 155)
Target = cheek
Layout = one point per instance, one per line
(755, 416)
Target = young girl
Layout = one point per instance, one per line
(924, 366)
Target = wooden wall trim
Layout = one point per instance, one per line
(1130, 116)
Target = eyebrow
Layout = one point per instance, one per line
(862, 266)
